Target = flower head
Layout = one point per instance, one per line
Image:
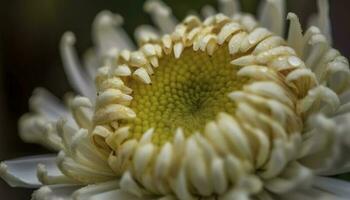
(220, 108)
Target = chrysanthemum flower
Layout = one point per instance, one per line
(219, 108)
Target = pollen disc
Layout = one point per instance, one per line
(186, 92)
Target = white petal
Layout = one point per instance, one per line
(208, 11)
(45, 103)
(294, 176)
(56, 192)
(321, 20)
(36, 129)
(345, 97)
(109, 35)
(339, 161)
(142, 75)
(96, 190)
(310, 194)
(335, 186)
(229, 7)
(146, 33)
(75, 74)
(161, 15)
(81, 109)
(240, 194)
(91, 63)
(317, 46)
(127, 183)
(272, 13)
(295, 34)
(22, 172)
(114, 194)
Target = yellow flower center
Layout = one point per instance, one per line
(186, 92)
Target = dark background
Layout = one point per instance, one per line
(30, 31)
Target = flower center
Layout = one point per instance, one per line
(186, 92)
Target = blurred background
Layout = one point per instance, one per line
(30, 31)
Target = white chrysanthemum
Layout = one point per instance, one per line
(223, 108)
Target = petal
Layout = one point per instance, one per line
(208, 11)
(104, 191)
(229, 7)
(272, 13)
(77, 77)
(334, 186)
(94, 189)
(45, 103)
(309, 194)
(108, 34)
(37, 129)
(114, 194)
(91, 62)
(22, 172)
(322, 19)
(161, 15)
(56, 192)
(294, 176)
(335, 145)
(295, 33)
